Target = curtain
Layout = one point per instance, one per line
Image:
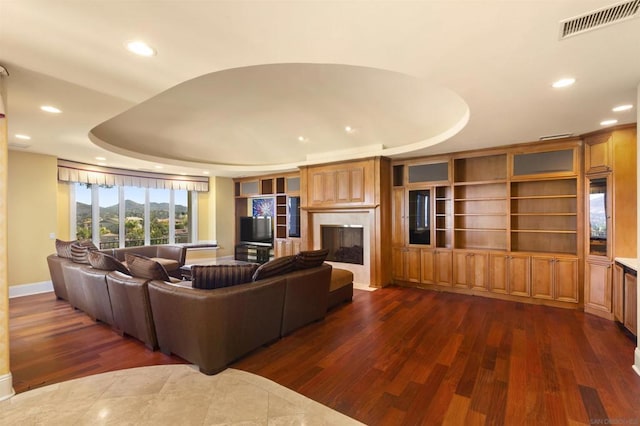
(70, 171)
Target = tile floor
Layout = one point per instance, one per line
(167, 394)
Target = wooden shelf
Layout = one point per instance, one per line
(481, 214)
(544, 197)
(544, 231)
(481, 199)
(480, 182)
(481, 229)
(544, 214)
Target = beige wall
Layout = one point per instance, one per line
(6, 382)
(33, 188)
(32, 197)
(216, 215)
(64, 211)
(224, 218)
(205, 231)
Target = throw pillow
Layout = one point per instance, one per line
(279, 266)
(99, 260)
(80, 250)
(218, 276)
(311, 258)
(63, 248)
(143, 267)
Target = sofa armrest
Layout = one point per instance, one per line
(131, 307)
(55, 263)
(306, 297)
(212, 328)
(96, 293)
(174, 252)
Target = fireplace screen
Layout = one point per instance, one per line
(344, 242)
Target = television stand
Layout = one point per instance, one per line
(254, 252)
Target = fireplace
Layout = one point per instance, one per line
(344, 242)
(357, 225)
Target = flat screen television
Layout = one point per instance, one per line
(256, 229)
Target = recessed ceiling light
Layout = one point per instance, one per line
(303, 139)
(622, 108)
(158, 167)
(564, 82)
(101, 159)
(51, 109)
(183, 174)
(140, 48)
(205, 172)
(608, 122)
(23, 137)
(349, 129)
(102, 164)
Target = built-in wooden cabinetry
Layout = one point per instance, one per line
(284, 190)
(625, 294)
(358, 193)
(610, 213)
(340, 185)
(503, 222)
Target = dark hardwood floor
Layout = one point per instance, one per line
(50, 342)
(395, 356)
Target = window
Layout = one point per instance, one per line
(134, 202)
(159, 203)
(131, 216)
(182, 214)
(83, 209)
(109, 202)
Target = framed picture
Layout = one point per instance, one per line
(263, 207)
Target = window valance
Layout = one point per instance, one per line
(70, 171)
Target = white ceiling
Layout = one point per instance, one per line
(235, 84)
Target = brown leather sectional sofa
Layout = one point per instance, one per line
(172, 257)
(210, 328)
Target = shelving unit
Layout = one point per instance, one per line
(480, 202)
(282, 188)
(281, 216)
(444, 217)
(544, 216)
(506, 222)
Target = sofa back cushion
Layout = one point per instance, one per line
(63, 248)
(105, 262)
(279, 266)
(218, 276)
(310, 258)
(80, 251)
(143, 267)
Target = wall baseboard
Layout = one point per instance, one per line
(29, 289)
(6, 387)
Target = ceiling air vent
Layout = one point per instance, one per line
(558, 136)
(599, 18)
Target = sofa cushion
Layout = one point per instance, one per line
(80, 250)
(218, 276)
(63, 248)
(311, 258)
(279, 266)
(144, 267)
(99, 260)
(340, 278)
(169, 264)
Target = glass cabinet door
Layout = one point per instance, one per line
(598, 215)
(419, 217)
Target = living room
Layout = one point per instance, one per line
(396, 135)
